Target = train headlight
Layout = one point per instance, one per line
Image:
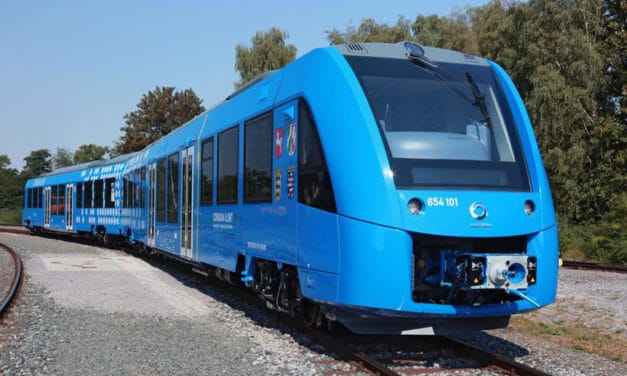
(414, 206)
(530, 207)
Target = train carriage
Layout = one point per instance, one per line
(80, 199)
(394, 188)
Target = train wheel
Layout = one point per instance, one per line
(311, 313)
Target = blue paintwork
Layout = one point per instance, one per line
(84, 219)
(360, 256)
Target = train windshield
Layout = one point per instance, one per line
(444, 127)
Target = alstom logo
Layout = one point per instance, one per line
(478, 211)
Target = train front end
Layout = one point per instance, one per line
(457, 229)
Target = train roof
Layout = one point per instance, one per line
(403, 50)
(82, 166)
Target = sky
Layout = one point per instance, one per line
(70, 70)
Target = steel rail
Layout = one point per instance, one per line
(584, 265)
(509, 366)
(17, 278)
(11, 229)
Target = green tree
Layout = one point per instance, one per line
(369, 31)
(89, 152)
(268, 52)
(11, 185)
(453, 32)
(62, 158)
(158, 113)
(37, 163)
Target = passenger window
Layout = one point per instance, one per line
(258, 159)
(29, 198)
(314, 182)
(98, 193)
(228, 147)
(142, 187)
(125, 191)
(110, 193)
(89, 194)
(61, 201)
(206, 178)
(53, 200)
(161, 190)
(32, 197)
(173, 184)
(79, 195)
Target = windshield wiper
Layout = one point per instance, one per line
(480, 102)
(431, 67)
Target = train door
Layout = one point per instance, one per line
(152, 192)
(69, 206)
(187, 203)
(47, 207)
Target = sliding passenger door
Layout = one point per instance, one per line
(47, 207)
(152, 192)
(69, 206)
(187, 203)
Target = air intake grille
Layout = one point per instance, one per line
(356, 48)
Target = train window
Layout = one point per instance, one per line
(161, 190)
(98, 193)
(258, 159)
(125, 191)
(79, 195)
(109, 187)
(314, 182)
(137, 187)
(29, 198)
(206, 167)
(53, 199)
(142, 187)
(89, 194)
(228, 149)
(173, 187)
(449, 127)
(33, 192)
(61, 201)
(131, 190)
(40, 195)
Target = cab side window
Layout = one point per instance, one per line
(314, 182)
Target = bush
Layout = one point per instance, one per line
(603, 241)
(10, 216)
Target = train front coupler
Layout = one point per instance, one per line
(466, 276)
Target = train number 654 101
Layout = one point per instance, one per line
(442, 201)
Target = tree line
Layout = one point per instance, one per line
(566, 57)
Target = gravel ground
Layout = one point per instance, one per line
(594, 299)
(89, 310)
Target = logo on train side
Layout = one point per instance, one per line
(478, 211)
(277, 185)
(291, 139)
(278, 142)
(291, 182)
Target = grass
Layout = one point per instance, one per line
(578, 337)
(10, 216)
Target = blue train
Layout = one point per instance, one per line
(394, 188)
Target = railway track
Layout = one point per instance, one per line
(394, 362)
(14, 229)
(584, 265)
(382, 355)
(10, 276)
